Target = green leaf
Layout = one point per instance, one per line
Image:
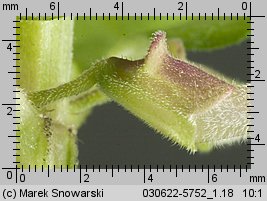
(209, 34)
(97, 39)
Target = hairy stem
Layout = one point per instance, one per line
(47, 135)
(75, 87)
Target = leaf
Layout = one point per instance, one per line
(209, 34)
(97, 39)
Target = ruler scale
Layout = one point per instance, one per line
(147, 181)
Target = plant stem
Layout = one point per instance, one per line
(75, 87)
(47, 135)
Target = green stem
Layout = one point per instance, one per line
(46, 53)
(75, 87)
(88, 100)
(83, 83)
(46, 137)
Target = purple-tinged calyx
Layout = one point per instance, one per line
(178, 99)
(196, 88)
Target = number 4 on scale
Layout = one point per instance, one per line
(257, 138)
(9, 47)
(116, 6)
(150, 178)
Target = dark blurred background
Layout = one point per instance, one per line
(112, 136)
